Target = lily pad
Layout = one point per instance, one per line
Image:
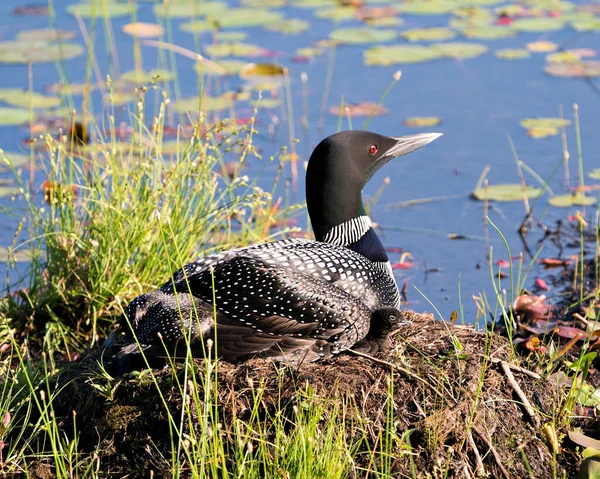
(199, 26)
(143, 30)
(225, 67)
(586, 25)
(266, 103)
(582, 69)
(384, 22)
(577, 199)
(545, 122)
(23, 52)
(144, 78)
(24, 98)
(506, 192)
(427, 8)
(263, 3)
(244, 17)
(230, 36)
(364, 108)
(19, 255)
(261, 69)
(10, 160)
(102, 9)
(13, 116)
(512, 53)
(488, 32)
(541, 24)
(562, 57)
(422, 121)
(6, 191)
(399, 54)
(542, 47)
(188, 10)
(290, 26)
(209, 103)
(235, 49)
(362, 35)
(460, 50)
(336, 13)
(542, 131)
(428, 34)
(45, 35)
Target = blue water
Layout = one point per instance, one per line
(480, 102)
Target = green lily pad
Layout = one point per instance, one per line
(399, 54)
(23, 52)
(313, 3)
(102, 9)
(266, 103)
(488, 32)
(562, 57)
(244, 17)
(422, 121)
(261, 70)
(290, 26)
(188, 10)
(6, 191)
(586, 25)
(209, 103)
(336, 13)
(225, 67)
(230, 36)
(309, 52)
(545, 122)
(506, 192)
(542, 24)
(19, 255)
(144, 78)
(235, 49)
(460, 50)
(577, 199)
(121, 98)
(23, 98)
(263, 3)
(542, 131)
(428, 34)
(362, 35)
(13, 116)
(198, 26)
(582, 69)
(595, 174)
(384, 22)
(45, 35)
(512, 53)
(10, 160)
(427, 8)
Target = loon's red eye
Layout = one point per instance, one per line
(372, 149)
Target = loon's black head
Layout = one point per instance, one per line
(341, 165)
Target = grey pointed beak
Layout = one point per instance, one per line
(410, 143)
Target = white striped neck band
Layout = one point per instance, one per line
(348, 232)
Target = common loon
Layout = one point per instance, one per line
(294, 300)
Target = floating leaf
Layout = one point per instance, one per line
(309, 52)
(422, 121)
(562, 57)
(542, 131)
(336, 13)
(102, 9)
(235, 49)
(395, 54)
(384, 22)
(19, 255)
(6, 191)
(188, 10)
(143, 78)
(198, 26)
(427, 8)
(542, 47)
(290, 26)
(266, 103)
(9, 160)
(578, 199)
(13, 116)
(582, 69)
(24, 52)
(488, 32)
(545, 122)
(506, 192)
(143, 30)
(24, 98)
(362, 35)
(230, 36)
(223, 67)
(594, 174)
(512, 53)
(192, 105)
(45, 35)
(460, 50)
(263, 3)
(244, 17)
(428, 34)
(540, 24)
(261, 69)
(586, 25)
(364, 108)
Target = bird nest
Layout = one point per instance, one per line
(461, 407)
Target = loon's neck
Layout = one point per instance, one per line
(358, 235)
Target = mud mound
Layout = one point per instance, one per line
(457, 399)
